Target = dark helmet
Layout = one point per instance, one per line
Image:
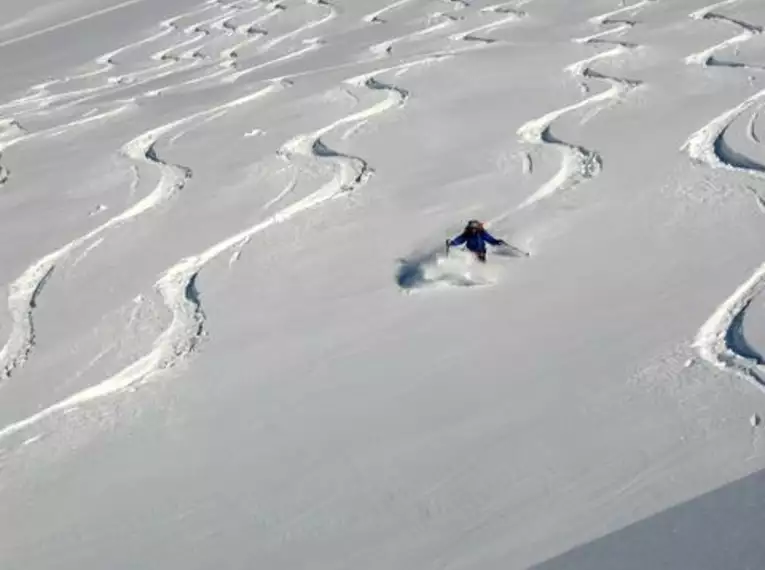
(474, 226)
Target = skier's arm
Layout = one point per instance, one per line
(460, 239)
(491, 239)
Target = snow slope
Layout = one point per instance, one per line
(226, 341)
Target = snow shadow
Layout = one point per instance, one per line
(737, 341)
(720, 530)
(411, 270)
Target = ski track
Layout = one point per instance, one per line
(508, 7)
(185, 54)
(329, 16)
(706, 58)
(309, 46)
(105, 64)
(228, 58)
(720, 341)
(752, 127)
(67, 23)
(458, 5)
(8, 128)
(442, 21)
(252, 31)
(177, 285)
(470, 35)
(385, 48)
(42, 101)
(579, 163)
(86, 251)
(374, 17)
(632, 8)
(21, 135)
(25, 290)
(706, 146)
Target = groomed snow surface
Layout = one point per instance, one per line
(230, 337)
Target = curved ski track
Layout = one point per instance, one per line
(720, 340)
(252, 31)
(751, 130)
(8, 129)
(630, 9)
(177, 285)
(510, 16)
(706, 57)
(70, 22)
(183, 55)
(21, 135)
(374, 17)
(39, 97)
(705, 145)
(384, 49)
(579, 163)
(509, 11)
(25, 290)
(331, 14)
(228, 60)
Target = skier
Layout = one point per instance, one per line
(475, 237)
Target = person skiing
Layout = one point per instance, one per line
(475, 237)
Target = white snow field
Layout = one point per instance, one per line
(229, 340)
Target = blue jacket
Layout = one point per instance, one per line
(475, 241)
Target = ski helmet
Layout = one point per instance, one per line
(474, 225)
